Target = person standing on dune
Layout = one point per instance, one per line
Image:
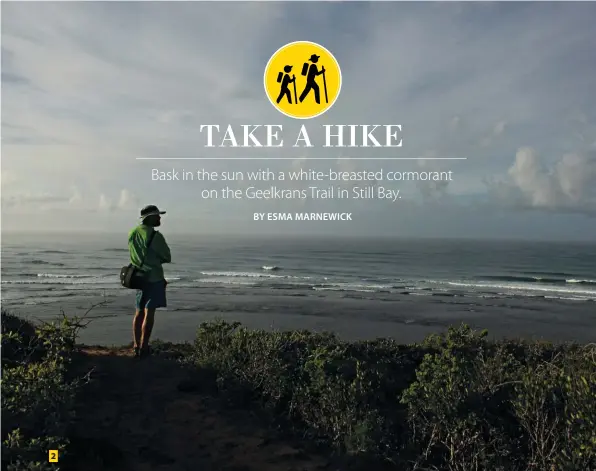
(148, 251)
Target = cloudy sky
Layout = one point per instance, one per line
(88, 88)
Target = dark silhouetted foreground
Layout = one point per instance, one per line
(242, 399)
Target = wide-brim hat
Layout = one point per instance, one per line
(151, 210)
(314, 57)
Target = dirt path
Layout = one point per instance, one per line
(142, 415)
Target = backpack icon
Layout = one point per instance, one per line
(279, 76)
(305, 68)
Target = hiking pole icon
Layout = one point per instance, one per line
(324, 84)
(295, 95)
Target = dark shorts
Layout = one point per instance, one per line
(153, 295)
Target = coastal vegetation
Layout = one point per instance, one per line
(37, 393)
(456, 401)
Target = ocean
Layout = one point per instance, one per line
(359, 288)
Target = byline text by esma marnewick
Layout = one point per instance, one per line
(302, 216)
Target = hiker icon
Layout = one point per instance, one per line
(311, 72)
(285, 81)
(293, 83)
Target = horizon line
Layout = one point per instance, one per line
(265, 235)
(301, 158)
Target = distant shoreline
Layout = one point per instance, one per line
(408, 321)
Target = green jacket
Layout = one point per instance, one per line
(158, 253)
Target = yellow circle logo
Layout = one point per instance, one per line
(302, 80)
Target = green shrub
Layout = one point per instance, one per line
(555, 402)
(458, 405)
(335, 389)
(454, 402)
(37, 400)
(579, 388)
(19, 341)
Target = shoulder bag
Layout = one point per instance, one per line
(130, 276)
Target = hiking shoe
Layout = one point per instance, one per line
(145, 352)
(137, 352)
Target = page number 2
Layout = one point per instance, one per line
(53, 456)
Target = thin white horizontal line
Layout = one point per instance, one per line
(304, 158)
(213, 1)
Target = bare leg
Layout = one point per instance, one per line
(147, 327)
(137, 325)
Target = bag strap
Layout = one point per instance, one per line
(148, 245)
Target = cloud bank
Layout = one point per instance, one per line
(89, 87)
